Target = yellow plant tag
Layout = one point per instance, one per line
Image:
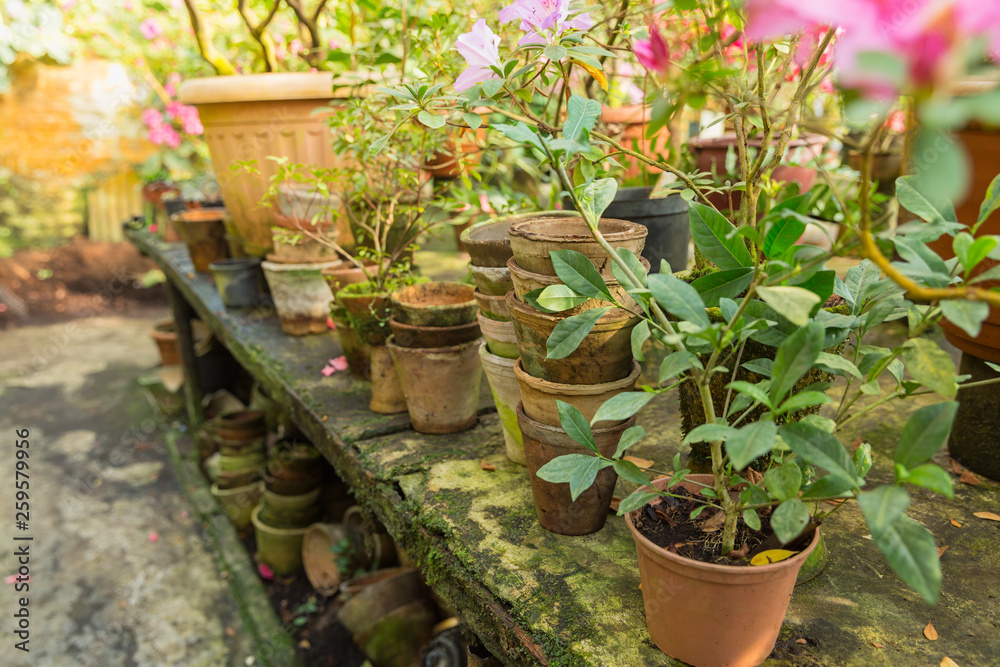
(771, 556)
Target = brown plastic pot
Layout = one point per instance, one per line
(500, 337)
(539, 396)
(387, 391)
(435, 304)
(408, 335)
(441, 385)
(204, 235)
(506, 395)
(493, 306)
(526, 281)
(491, 279)
(604, 355)
(164, 334)
(557, 511)
(532, 240)
(689, 602)
(301, 296)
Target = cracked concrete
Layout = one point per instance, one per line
(121, 574)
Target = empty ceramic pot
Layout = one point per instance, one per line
(435, 304)
(239, 503)
(301, 296)
(532, 239)
(387, 390)
(500, 337)
(329, 555)
(356, 351)
(408, 335)
(492, 279)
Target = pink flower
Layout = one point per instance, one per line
(538, 16)
(128, 5)
(484, 204)
(265, 572)
(187, 115)
(152, 118)
(153, 537)
(340, 363)
(153, 228)
(897, 122)
(295, 47)
(165, 135)
(330, 324)
(150, 29)
(653, 53)
(480, 48)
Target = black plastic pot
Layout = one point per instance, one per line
(665, 218)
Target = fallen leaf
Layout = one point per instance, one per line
(753, 476)
(714, 522)
(956, 467)
(858, 441)
(930, 633)
(340, 363)
(877, 645)
(771, 556)
(941, 550)
(305, 644)
(642, 463)
(968, 478)
(265, 571)
(741, 552)
(487, 466)
(230, 632)
(955, 523)
(802, 640)
(948, 662)
(989, 516)
(615, 502)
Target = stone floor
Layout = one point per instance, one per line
(121, 574)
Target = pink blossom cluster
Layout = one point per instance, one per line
(161, 130)
(187, 116)
(924, 36)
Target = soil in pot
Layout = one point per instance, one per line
(604, 355)
(435, 304)
(506, 395)
(237, 280)
(441, 385)
(500, 337)
(666, 218)
(301, 296)
(204, 235)
(683, 596)
(532, 240)
(557, 511)
(539, 396)
(407, 335)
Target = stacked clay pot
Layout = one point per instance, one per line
(290, 504)
(600, 367)
(489, 252)
(435, 349)
(240, 438)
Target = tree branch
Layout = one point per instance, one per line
(203, 35)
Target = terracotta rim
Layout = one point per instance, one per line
(278, 267)
(403, 298)
(559, 434)
(200, 215)
(262, 88)
(524, 274)
(421, 351)
(614, 230)
(457, 328)
(610, 320)
(500, 331)
(563, 389)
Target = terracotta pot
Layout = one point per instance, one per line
(447, 162)
(241, 425)
(493, 307)
(290, 511)
(303, 202)
(319, 558)
(441, 385)
(534, 238)
(164, 334)
(506, 395)
(228, 447)
(557, 511)
(605, 355)
(387, 391)
(688, 601)
(351, 587)
(234, 462)
(627, 124)
(252, 116)
(346, 274)
(293, 224)
(526, 281)
(237, 280)
(238, 503)
(204, 235)
(356, 351)
(379, 548)
(301, 296)
(370, 312)
(407, 335)
(491, 280)
(278, 548)
(500, 337)
(293, 246)
(539, 396)
(390, 619)
(154, 192)
(435, 304)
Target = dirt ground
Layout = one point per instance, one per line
(81, 279)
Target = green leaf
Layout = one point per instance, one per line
(710, 433)
(821, 449)
(579, 274)
(531, 298)
(630, 472)
(827, 487)
(560, 469)
(795, 357)
(754, 391)
(749, 442)
(557, 298)
(596, 196)
(633, 264)
(932, 477)
(761, 366)
(863, 459)
(751, 519)
(622, 406)
(431, 120)
(991, 202)
(575, 425)
(908, 547)
(784, 481)
(583, 477)
(782, 235)
(640, 334)
(557, 52)
(676, 363)
(491, 87)
(931, 366)
(723, 285)
(803, 400)
(920, 205)
(632, 435)
(793, 303)
(473, 120)
(518, 132)
(581, 112)
(925, 432)
(966, 315)
(836, 364)
(568, 334)
(716, 238)
(678, 298)
(859, 279)
(636, 500)
(789, 520)
(821, 284)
